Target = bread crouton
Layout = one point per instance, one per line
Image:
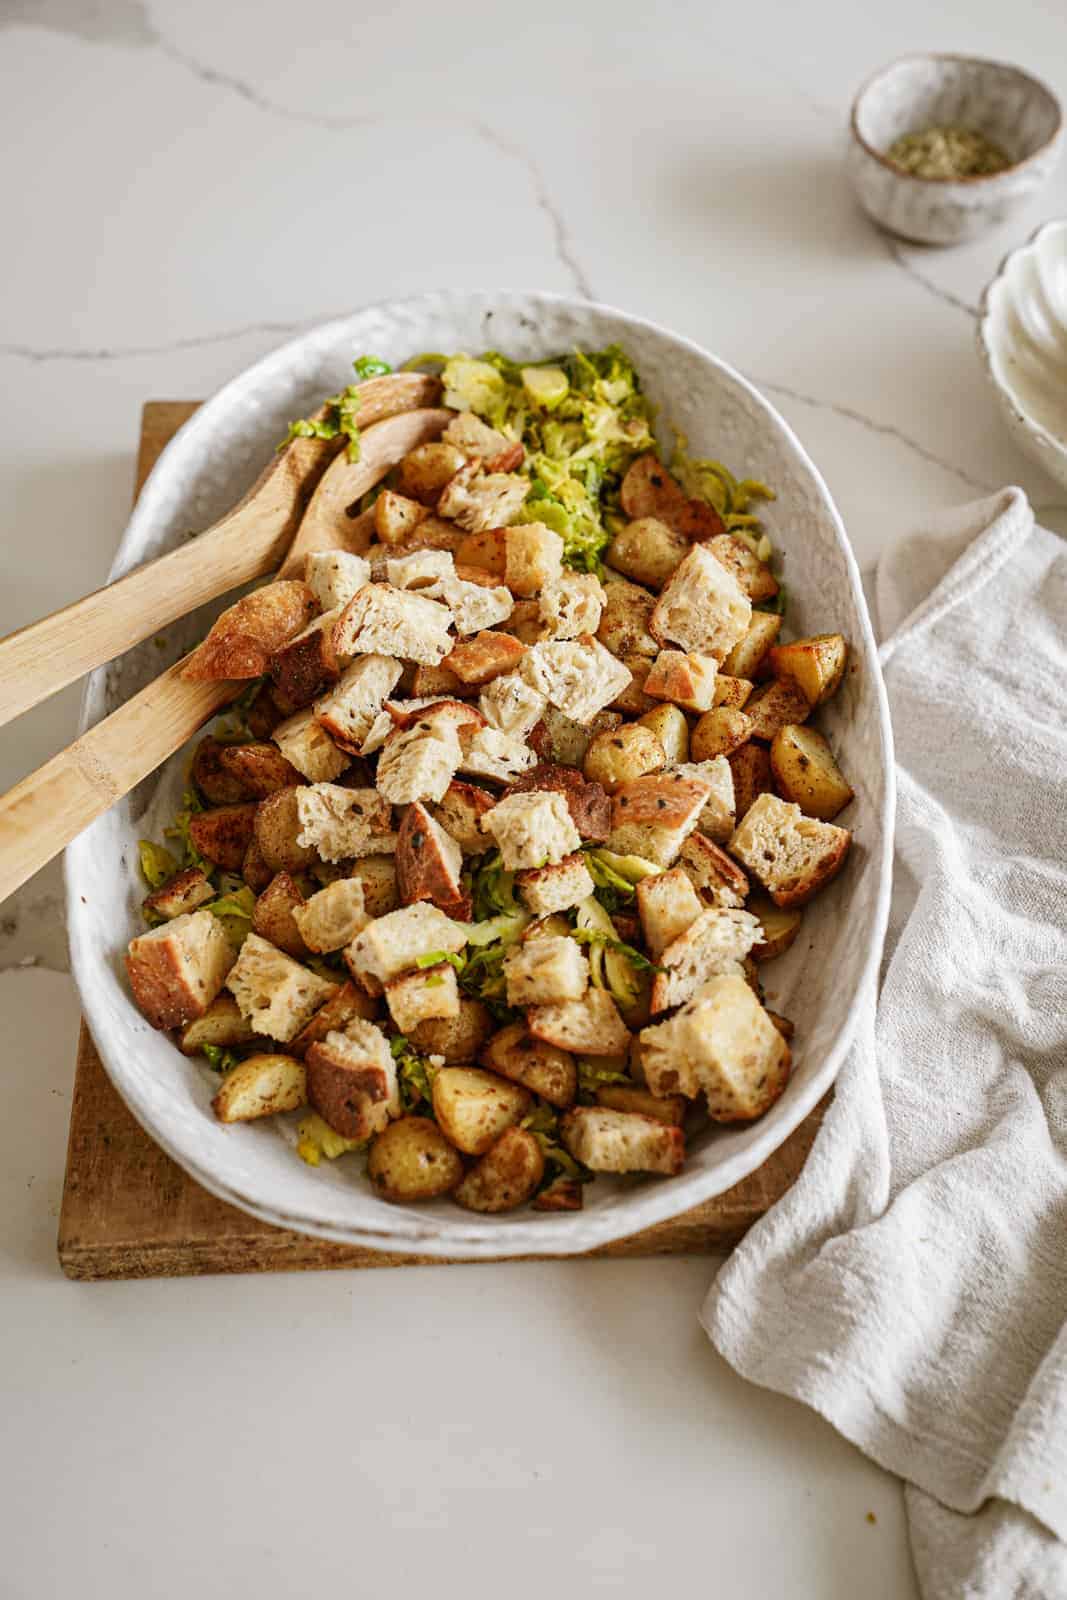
(670, 1108)
(307, 746)
(685, 678)
(351, 1080)
(349, 710)
(544, 970)
(458, 1038)
(381, 620)
(564, 742)
(396, 518)
(259, 768)
(717, 817)
(750, 767)
(335, 576)
(754, 576)
(511, 705)
(571, 604)
(578, 676)
(526, 622)
(531, 829)
(533, 557)
(815, 665)
(332, 917)
(418, 763)
(590, 1026)
(624, 622)
(721, 1044)
(649, 490)
(475, 438)
(717, 942)
(393, 944)
(716, 877)
(622, 1141)
(667, 903)
(475, 606)
(477, 500)
(459, 812)
(416, 997)
(588, 803)
(487, 753)
(777, 705)
(749, 656)
(430, 682)
(485, 656)
(216, 783)
(345, 1006)
(273, 916)
(647, 550)
(276, 994)
(243, 640)
(176, 970)
(223, 834)
(792, 855)
(543, 890)
(429, 863)
(539, 1067)
(652, 817)
(702, 607)
(486, 549)
(186, 891)
(424, 570)
(341, 823)
(308, 664)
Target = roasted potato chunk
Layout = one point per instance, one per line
(815, 665)
(458, 1039)
(671, 729)
(277, 827)
(805, 772)
(751, 768)
(224, 834)
(217, 783)
(411, 1161)
(779, 926)
(773, 706)
(648, 490)
(747, 656)
(505, 1177)
(624, 624)
(719, 731)
(222, 1024)
(622, 755)
(259, 769)
(426, 470)
(539, 1067)
(647, 551)
(273, 917)
(474, 1107)
(260, 1086)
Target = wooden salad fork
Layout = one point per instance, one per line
(43, 813)
(247, 543)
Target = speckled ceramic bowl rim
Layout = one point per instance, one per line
(985, 311)
(948, 55)
(399, 1233)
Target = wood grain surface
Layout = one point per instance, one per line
(130, 1212)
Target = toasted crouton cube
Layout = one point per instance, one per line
(429, 863)
(540, 971)
(511, 705)
(686, 678)
(260, 1086)
(222, 835)
(487, 753)
(431, 682)
(505, 1177)
(716, 877)
(381, 620)
(653, 816)
(647, 550)
(246, 636)
(533, 557)
(750, 766)
(721, 1044)
(418, 763)
(649, 490)
(622, 1141)
(624, 622)
(259, 768)
(416, 997)
(621, 755)
(779, 927)
(475, 606)
(792, 855)
(393, 944)
(749, 655)
(277, 834)
(571, 604)
(459, 813)
(543, 890)
(350, 1002)
(486, 549)
(590, 1026)
(474, 1107)
(305, 666)
(477, 500)
(806, 772)
(775, 706)
(562, 1194)
(177, 969)
(424, 570)
(531, 829)
(474, 437)
(396, 518)
(754, 576)
(484, 657)
(349, 710)
(273, 917)
(221, 1025)
(351, 1080)
(670, 1108)
(457, 1038)
(702, 607)
(332, 918)
(719, 732)
(186, 891)
(341, 823)
(588, 804)
(716, 942)
(564, 742)
(667, 904)
(578, 676)
(334, 576)
(216, 783)
(307, 746)
(718, 816)
(426, 470)
(539, 1067)
(815, 665)
(276, 994)
(525, 622)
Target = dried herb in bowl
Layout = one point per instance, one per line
(947, 151)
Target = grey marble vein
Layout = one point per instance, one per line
(128, 352)
(897, 253)
(564, 245)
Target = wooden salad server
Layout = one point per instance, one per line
(247, 543)
(43, 813)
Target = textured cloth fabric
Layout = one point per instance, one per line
(912, 1286)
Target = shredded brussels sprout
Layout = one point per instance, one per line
(415, 1075)
(219, 1058)
(340, 410)
(318, 1139)
(234, 910)
(731, 497)
(157, 864)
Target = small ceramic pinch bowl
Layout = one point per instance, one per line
(1012, 109)
(1022, 339)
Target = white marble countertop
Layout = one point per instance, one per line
(185, 185)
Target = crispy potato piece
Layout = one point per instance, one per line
(484, 656)
(542, 1068)
(309, 664)
(260, 769)
(254, 870)
(459, 1039)
(731, 692)
(623, 755)
(669, 1108)
(273, 917)
(487, 550)
(751, 768)
(223, 834)
(263, 716)
(815, 665)
(260, 1086)
(277, 829)
(526, 622)
(587, 803)
(633, 701)
(747, 656)
(474, 1107)
(624, 623)
(591, 1026)
(805, 771)
(411, 1161)
(222, 1024)
(186, 891)
(648, 490)
(779, 927)
(718, 732)
(244, 638)
(218, 785)
(505, 1177)
(671, 729)
(396, 518)
(774, 706)
(647, 550)
(426, 470)
(754, 576)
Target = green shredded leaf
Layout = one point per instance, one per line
(366, 367)
(234, 910)
(157, 864)
(595, 936)
(434, 958)
(592, 1074)
(415, 1076)
(543, 1123)
(179, 830)
(340, 410)
(221, 1059)
(493, 888)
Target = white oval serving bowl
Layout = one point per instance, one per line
(819, 983)
(1022, 339)
(1013, 109)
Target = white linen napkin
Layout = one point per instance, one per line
(912, 1286)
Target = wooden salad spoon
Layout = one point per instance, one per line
(43, 813)
(247, 543)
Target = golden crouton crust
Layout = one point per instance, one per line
(483, 657)
(663, 800)
(343, 1094)
(458, 1039)
(562, 1194)
(244, 638)
(305, 667)
(350, 1001)
(588, 804)
(184, 892)
(422, 872)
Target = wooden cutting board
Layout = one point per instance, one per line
(130, 1212)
